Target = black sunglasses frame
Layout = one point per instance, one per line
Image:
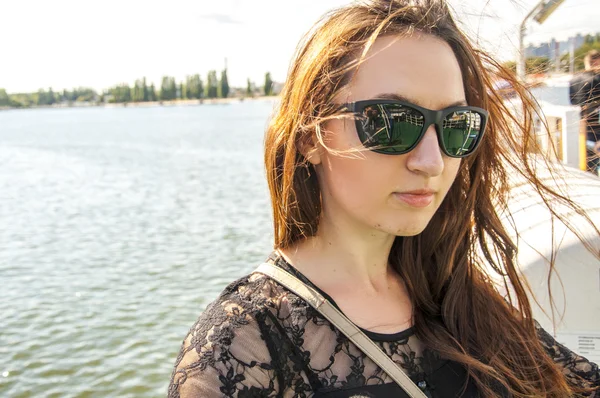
(430, 117)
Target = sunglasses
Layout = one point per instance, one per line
(395, 127)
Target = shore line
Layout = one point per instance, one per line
(147, 104)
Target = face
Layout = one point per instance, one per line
(378, 192)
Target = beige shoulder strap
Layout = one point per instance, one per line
(350, 330)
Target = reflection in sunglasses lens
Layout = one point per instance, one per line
(460, 130)
(391, 127)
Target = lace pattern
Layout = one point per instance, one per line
(257, 339)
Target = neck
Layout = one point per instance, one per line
(342, 255)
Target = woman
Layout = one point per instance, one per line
(394, 220)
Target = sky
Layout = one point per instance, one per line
(73, 43)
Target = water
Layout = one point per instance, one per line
(118, 227)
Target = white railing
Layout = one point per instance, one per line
(563, 120)
(564, 125)
(565, 142)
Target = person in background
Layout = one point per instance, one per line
(400, 230)
(585, 91)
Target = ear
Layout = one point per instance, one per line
(310, 148)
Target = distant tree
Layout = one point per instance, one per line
(152, 93)
(120, 93)
(173, 88)
(589, 39)
(537, 65)
(168, 89)
(125, 93)
(83, 94)
(22, 100)
(268, 84)
(211, 84)
(138, 91)
(4, 100)
(39, 98)
(532, 65)
(580, 54)
(193, 87)
(145, 90)
(126, 90)
(224, 85)
(200, 89)
(50, 97)
(182, 91)
(43, 97)
(164, 88)
(189, 89)
(249, 88)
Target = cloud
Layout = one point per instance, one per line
(220, 18)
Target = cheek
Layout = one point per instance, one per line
(451, 168)
(343, 174)
(358, 183)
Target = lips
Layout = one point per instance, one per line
(425, 191)
(419, 198)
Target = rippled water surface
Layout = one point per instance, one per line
(119, 225)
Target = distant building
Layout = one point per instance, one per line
(543, 50)
(579, 40)
(549, 49)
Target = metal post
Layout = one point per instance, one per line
(542, 11)
(522, 30)
(521, 57)
(556, 57)
(572, 55)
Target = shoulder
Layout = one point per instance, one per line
(233, 343)
(577, 369)
(583, 77)
(582, 81)
(238, 311)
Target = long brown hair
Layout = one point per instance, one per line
(457, 310)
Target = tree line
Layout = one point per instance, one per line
(43, 97)
(193, 87)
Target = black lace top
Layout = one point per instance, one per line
(258, 339)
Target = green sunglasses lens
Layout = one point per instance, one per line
(460, 131)
(390, 128)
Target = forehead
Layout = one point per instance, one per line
(422, 68)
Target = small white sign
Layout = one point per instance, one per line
(585, 344)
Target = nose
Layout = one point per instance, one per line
(427, 157)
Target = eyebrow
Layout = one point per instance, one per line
(398, 97)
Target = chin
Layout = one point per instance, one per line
(403, 230)
(413, 232)
(410, 228)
